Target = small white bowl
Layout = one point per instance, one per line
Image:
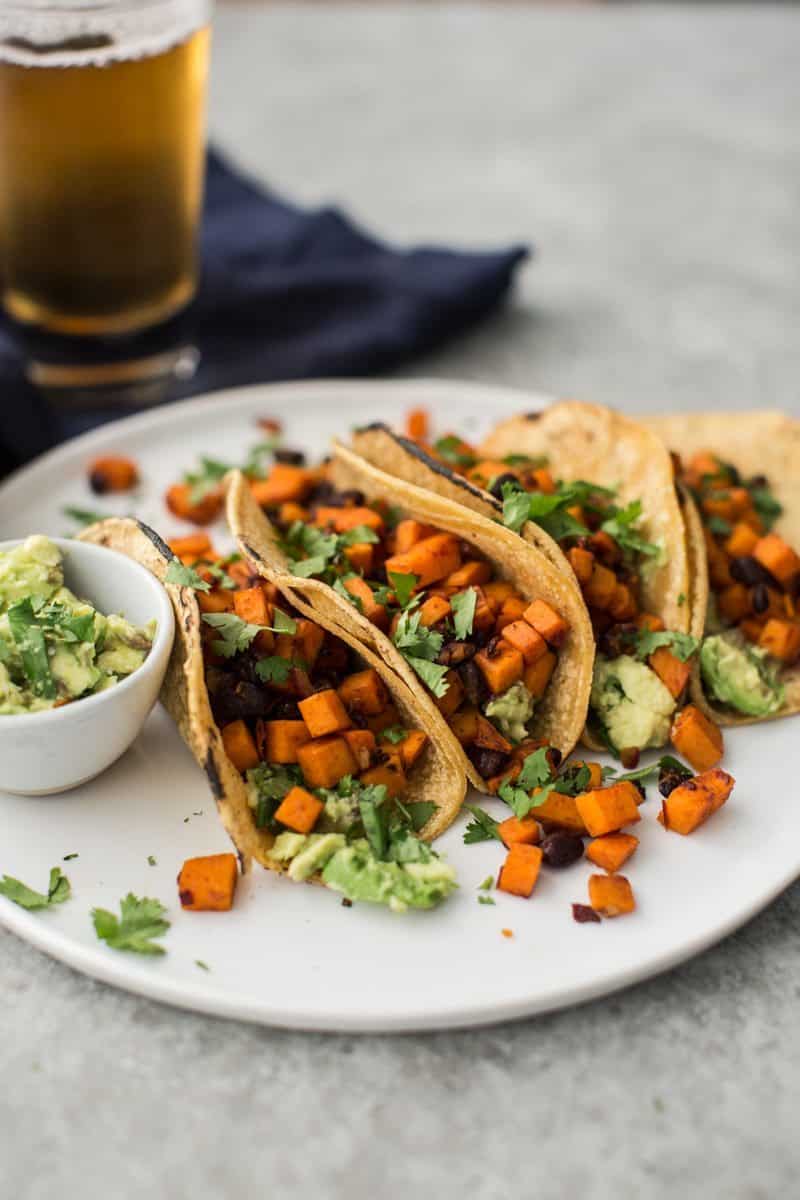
(59, 748)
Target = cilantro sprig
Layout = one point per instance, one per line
(463, 606)
(183, 576)
(537, 776)
(420, 647)
(59, 889)
(482, 827)
(236, 635)
(139, 922)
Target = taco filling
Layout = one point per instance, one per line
(752, 628)
(323, 750)
(642, 669)
(483, 652)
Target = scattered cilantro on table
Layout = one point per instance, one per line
(58, 890)
(139, 922)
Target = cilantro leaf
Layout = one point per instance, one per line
(306, 568)
(58, 890)
(282, 623)
(548, 509)
(667, 761)
(487, 884)
(30, 642)
(620, 526)
(140, 921)
(351, 598)
(536, 774)
(484, 899)
(645, 641)
(274, 669)
(765, 504)
(718, 525)
(222, 577)
(536, 770)
(183, 576)
(373, 818)
(525, 460)
(206, 480)
(357, 536)
(403, 586)
(516, 507)
(236, 633)
(394, 734)
(483, 827)
(463, 606)
(451, 450)
(413, 639)
(421, 812)
(431, 674)
(84, 516)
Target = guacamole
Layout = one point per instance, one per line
(511, 711)
(54, 647)
(737, 674)
(631, 703)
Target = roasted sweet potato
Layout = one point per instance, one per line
(284, 482)
(489, 738)
(433, 610)
(497, 592)
(208, 884)
(113, 473)
(673, 673)
(432, 559)
(417, 424)
(606, 809)
(471, 574)
(362, 744)
(520, 870)
(611, 850)
(280, 741)
(325, 761)
(408, 533)
(364, 692)
(251, 605)
(192, 546)
(697, 738)
(781, 639)
(324, 713)
(537, 676)
(742, 540)
(299, 810)
(733, 603)
(560, 811)
(216, 601)
(691, 804)
(520, 831)
(547, 622)
(178, 501)
(611, 895)
(239, 745)
(389, 775)
(366, 602)
(501, 666)
(600, 589)
(582, 562)
(411, 747)
(342, 519)
(360, 556)
(523, 637)
(451, 700)
(464, 724)
(778, 557)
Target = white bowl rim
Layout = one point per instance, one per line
(165, 632)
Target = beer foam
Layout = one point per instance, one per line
(96, 33)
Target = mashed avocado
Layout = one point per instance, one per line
(738, 675)
(53, 646)
(511, 711)
(413, 877)
(631, 703)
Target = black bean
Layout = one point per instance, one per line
(749, 571)
(671, 777)
(474, 684)
(759, 598)
(582, 913)
(236, 699)
(555, 756)
(453, 654)
(758, 481)
(286, 710)
(294, 458)
(98, 482)
(629, 757)
(487, 762)
(497, 483)
(617, 640)
(561, 849)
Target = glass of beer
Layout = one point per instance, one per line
(102, 117)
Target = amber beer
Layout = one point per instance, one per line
(101, 155)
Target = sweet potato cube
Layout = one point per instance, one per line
(501, 668)
(342, 519)
(691, 804)
(360, 556)
(433, 610)
(239, 746)
(606, 809)
(673, 673)
(622, 606)
(451, 700)
(512, 609)
(733, 603)
(364, 693)
(544, 480)
(193, 546)
(599, 591)
(408, 533)
(547, 622)
(325, 760)
(389, 775)
(781, 639)
(523, 637)
(464, 724)
(309, 638)
(611, 850)
(483, 620)
(582, 563)
(520, 870)
(280, 741)
(486, 470)
(382, 720)
(113, 473)
(376, 613)
(431, 559)
(362, 744)
(537, 676)
(411, 747)
(742, 540)
(417, 424)
(216, 601)
(251, 605)
(178, 500)
(470, 574)
(520, 831)
(611, 895)
(489, 738)
(291, 511)
(697, 738)
(284, 482)
(208, 884)
(324, 713)
(497, 592)
(778, 557)
(559, 811)
(299, 810)
(648, 621)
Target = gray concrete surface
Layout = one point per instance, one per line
(651, 154)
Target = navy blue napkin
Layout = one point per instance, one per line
(286, 293)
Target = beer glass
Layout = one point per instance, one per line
(102, 114)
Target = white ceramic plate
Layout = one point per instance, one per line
(290, 955)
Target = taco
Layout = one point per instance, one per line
(743, 472)
(596, 494)
(493, 640)
(320, 761)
